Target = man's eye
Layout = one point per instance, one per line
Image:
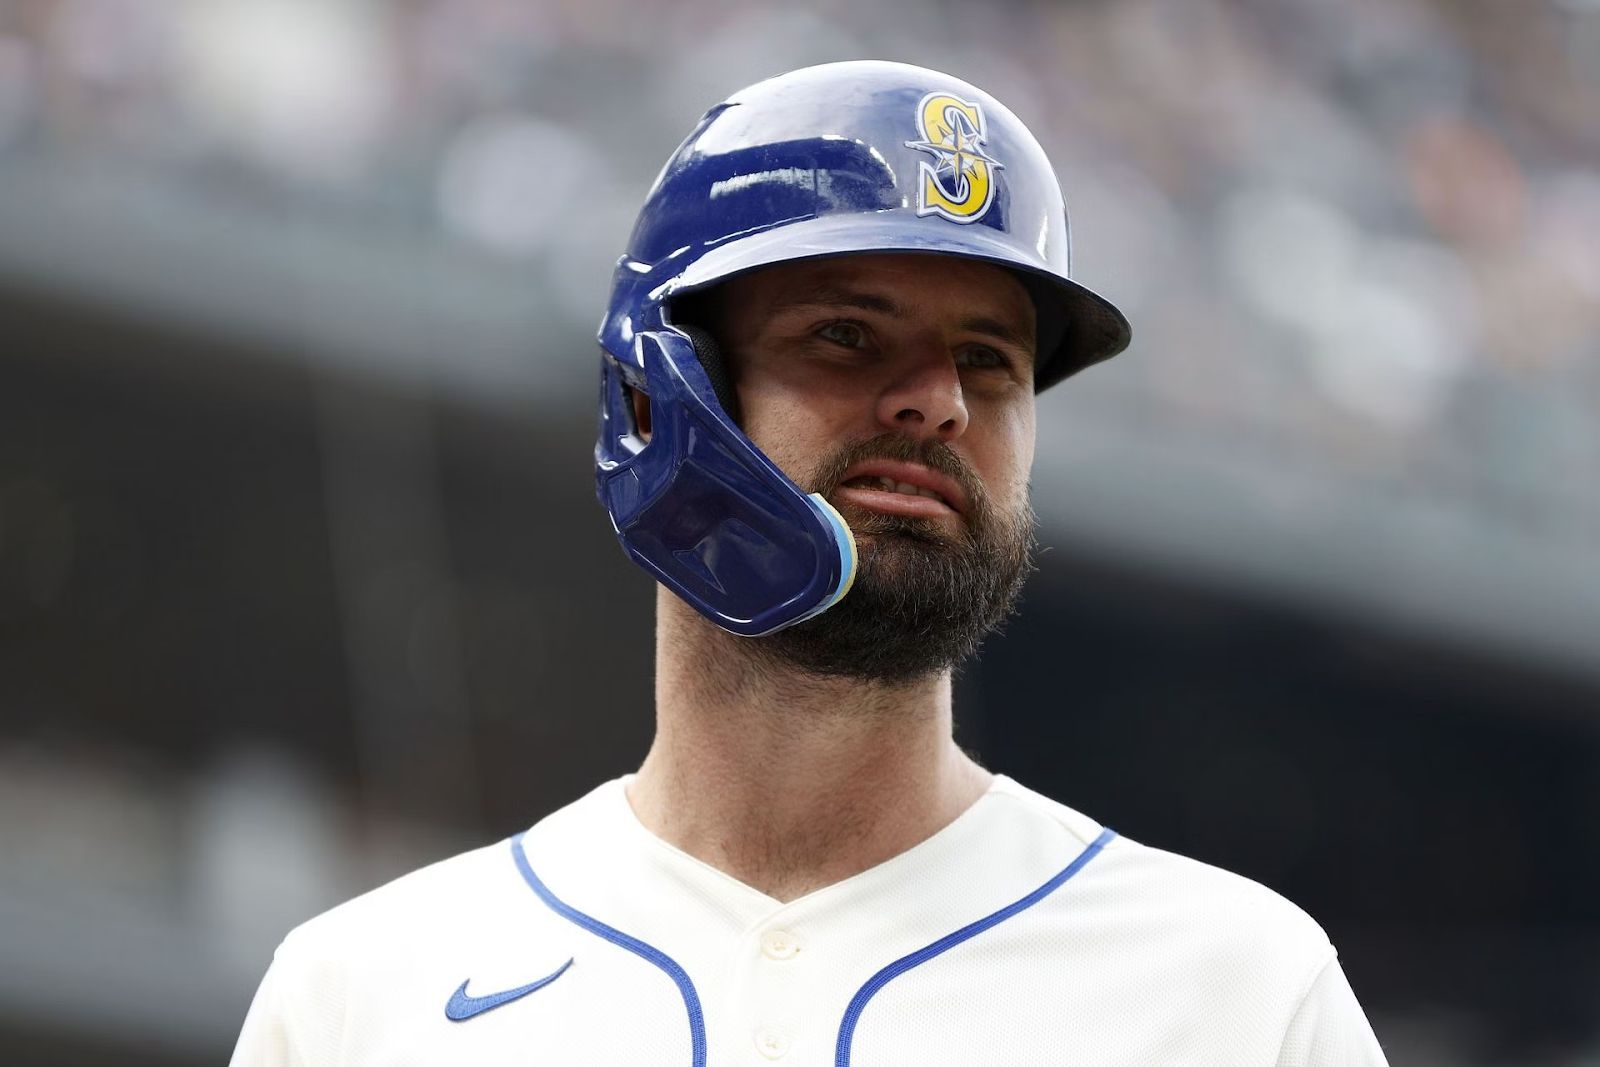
(984, 358)
(849, 334)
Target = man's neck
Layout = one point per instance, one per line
(789, 782)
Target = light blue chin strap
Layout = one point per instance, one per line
(847, 554)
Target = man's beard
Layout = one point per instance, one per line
(924, 598)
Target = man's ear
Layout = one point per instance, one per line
(641, 413)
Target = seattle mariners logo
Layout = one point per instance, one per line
(959, 185)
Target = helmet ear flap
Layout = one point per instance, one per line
(704, 510)
(709, 353)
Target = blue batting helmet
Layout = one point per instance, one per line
(826, 161)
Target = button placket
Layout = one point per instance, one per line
(779, 945)
(771, 1042)
(774, 991)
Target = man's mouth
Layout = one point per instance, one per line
(902, 487)
(885, 484)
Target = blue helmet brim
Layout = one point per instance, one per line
(1089, 327)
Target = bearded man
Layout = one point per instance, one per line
(819, 371)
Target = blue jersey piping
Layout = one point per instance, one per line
(691, 999)
(858, 1003)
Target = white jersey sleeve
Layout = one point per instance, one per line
(294, 1020)
(1329, 1029)
(265, 1040)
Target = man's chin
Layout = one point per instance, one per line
(920, 605)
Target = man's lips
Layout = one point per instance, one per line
(890, 503)
(880, 486)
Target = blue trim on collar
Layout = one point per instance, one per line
(691, 999)
(858, 1003)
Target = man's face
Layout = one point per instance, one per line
(901, 388)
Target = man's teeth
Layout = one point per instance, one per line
(889, 485)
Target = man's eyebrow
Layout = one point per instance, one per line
(833, 296)
(1001, 331)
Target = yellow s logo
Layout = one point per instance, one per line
(959, 185)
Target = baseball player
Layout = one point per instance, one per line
(819, 367)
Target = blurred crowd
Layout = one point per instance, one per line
(1366, 232)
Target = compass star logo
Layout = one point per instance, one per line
(959, 184)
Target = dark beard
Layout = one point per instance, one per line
(923, 599)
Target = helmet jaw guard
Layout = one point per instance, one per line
(841, 159)
(704, 511)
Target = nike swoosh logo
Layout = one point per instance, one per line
(462, 1007)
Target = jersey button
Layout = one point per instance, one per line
(779, 945)
(772, 1042)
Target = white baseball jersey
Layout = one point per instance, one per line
(1022, 933)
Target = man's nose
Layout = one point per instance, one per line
(925, 401)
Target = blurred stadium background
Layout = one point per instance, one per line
(302, 582)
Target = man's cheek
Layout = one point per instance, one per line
(779, 448)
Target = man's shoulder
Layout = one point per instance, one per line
(1186, 900)
(470, 895)
(1139, 894)
(426, 904)
(377, 971)
(1139, 954)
